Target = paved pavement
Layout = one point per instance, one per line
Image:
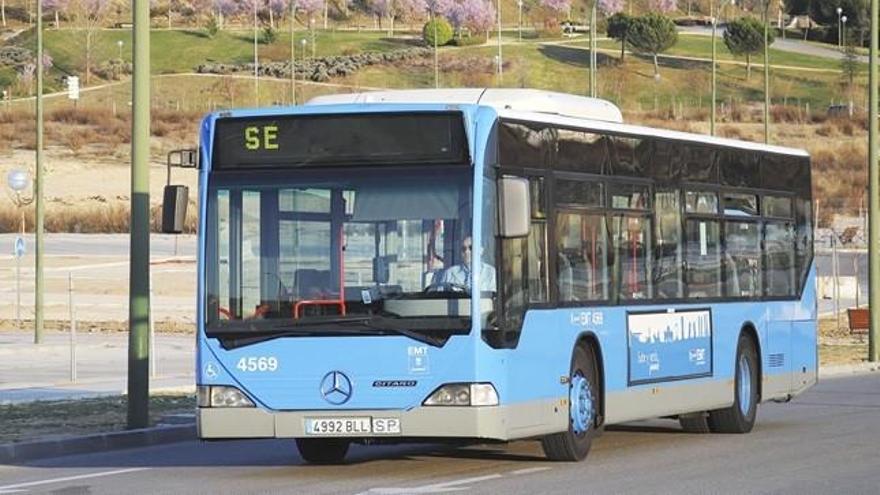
(824, 441)
(786, 45)
(42, 372)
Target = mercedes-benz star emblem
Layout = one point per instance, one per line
(336, 388)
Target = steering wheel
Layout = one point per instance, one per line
(446, 287)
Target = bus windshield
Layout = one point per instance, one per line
(333, 250)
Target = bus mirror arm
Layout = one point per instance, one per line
(513, 207)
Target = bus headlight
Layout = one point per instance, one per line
(463, 394)
(222, 396)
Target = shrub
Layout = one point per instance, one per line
(268, 36)
(441, 27)
(468, 41)
(212, 27)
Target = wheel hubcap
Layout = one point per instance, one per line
(745, 386)
(580, 404)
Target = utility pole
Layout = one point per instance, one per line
(500, 60)
(874, 189)
(766, 71)
(256, 61)
(712, 14)
(593, 46)
(139, 247)
(38, 188)
(292, 53)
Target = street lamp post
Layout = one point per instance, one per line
(714, 69)
(18, 181)
(842, 31)
(312, 27)
(519, 3)
(500, 60)
(292, 53)
(766, 71)
(39, 281)
(839, 38)
(593, 56)
(304, 42)
(874, 183)
(119, 45)
(256, 60)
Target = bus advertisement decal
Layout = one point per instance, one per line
(669, 345)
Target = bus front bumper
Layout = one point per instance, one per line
(451, 422)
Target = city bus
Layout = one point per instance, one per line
(489, 265)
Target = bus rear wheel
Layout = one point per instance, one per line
(323, 450)
(740, 417)
(574, 444)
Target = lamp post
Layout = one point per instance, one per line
(18, 181)
(39, 282)
(714, 69)
(500, 60)
(119, 45)
(292, 53)
(312, 27)
(842, 31)
(593, 55)
(519, 3)
(256, 59)
(839, 14)
(874, 176)
(766, 71)
(304, 42)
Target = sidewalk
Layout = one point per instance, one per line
(42, 372)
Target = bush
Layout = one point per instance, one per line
(268, 36)
(440, 26)
(212, 27)
(113, 69)
(468, 41)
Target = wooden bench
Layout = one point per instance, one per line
(859, 321)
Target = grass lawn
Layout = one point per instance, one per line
(42, 419)
(701, 47)
(181, 50)
(631, 85)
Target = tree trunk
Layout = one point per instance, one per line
(656, 68)
(57, 22)
(622, 50)
(271, 19)
(748, 66)
(326, 13)
(88, 55)
(3, 11)
(391, 25)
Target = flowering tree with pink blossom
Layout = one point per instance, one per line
(663, 6)
(277, 8)
(557, 6)
(475, 15)
(443, 8)
(609, 7)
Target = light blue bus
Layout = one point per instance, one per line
(492, 265)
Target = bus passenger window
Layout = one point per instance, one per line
(779, 258)
(742, 259)
(703, 258)
(666, 267)
(581, 257)
(631, 236)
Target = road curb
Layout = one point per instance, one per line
(11, 453)
(848, 369)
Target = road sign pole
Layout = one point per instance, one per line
(874, 189)
(38, 188)
(139, 267)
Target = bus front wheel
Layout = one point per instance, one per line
(574, 444)
(323, 450)
(740, 417)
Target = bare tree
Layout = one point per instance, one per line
(86, 17)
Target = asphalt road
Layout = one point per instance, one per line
(825, 441)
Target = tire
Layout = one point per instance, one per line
(574, 445)
(695, 423)
(323, 450)
(740, 417)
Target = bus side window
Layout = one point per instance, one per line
(524, 263)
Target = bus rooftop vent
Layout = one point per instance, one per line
(520, 100)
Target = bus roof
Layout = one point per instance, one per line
(527, 100)
(637, 130)
(543, 106)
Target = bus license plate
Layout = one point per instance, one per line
(352, 426)
(338, 426)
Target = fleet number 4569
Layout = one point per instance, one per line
(263, 363)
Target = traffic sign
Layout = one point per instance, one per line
(73, 87)
(18, 249)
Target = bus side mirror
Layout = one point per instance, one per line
(513, 207)
(174, 203)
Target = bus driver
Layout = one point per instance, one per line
(458, 277)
